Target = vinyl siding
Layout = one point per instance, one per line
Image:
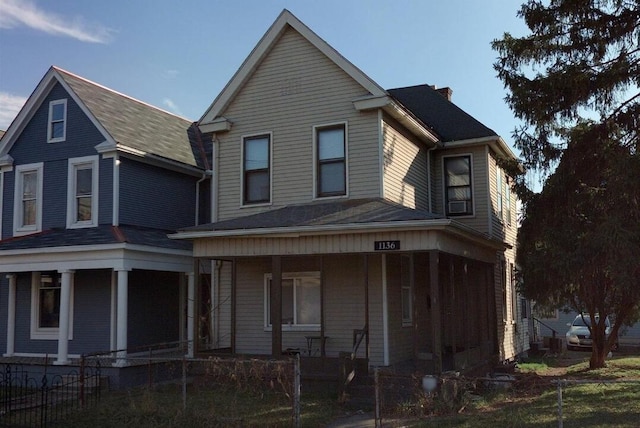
(31, 146)
(294, 89)
(405, 167)
(91, 315)
(155, 197)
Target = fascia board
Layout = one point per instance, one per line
(265, 44)
(398, 112)
(446, 225)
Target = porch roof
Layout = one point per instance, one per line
(318, 214)
(340, 226)
(101, 235)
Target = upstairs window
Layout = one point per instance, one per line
(507, 200)
(499, 186)
(27, 214)
(82, 191)
(331, 167)
(57, 127)
(457, 181)
(256, 169)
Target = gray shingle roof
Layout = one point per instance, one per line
(138, 125)
(341, 212)
(101, 235)
(449, 121)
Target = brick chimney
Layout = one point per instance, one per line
(445, 92)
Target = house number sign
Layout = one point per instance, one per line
(386, 245)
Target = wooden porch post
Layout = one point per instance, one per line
(276, 306)
(234, 302)
(322, 341)
(453, 315)
(366, 303)
(414, 306)
(466, 303)
(436, 320)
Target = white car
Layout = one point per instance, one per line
(578, 337)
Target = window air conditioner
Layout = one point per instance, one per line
(457, 207)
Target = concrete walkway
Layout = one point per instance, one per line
(364, 420)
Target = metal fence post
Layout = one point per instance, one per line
(296, 392)
(560, 423)
(376, 382)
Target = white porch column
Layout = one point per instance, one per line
(122, 316)
(63, 327)
(191, 299)
(11, 315)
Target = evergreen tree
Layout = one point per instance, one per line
(573, 82)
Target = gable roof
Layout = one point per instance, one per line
(127, 124)
(285, 20)
(449, 121)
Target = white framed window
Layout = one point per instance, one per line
(458, 186)
(57, 123)
(45, 306)
(82, 192)
(27, 212)
(406, 291)
(499, 188)
(256, 169)
(300, 301)
(507, 200)
(330, 151)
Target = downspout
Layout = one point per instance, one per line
(207, 170)
(204, 176)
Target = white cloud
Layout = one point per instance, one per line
(168, 103)
(171, 74)
(16, 13)
(10, 105)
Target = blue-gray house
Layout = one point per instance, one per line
(91, 182)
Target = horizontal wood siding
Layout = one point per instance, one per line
(405, 167)
(294, 89)
(31, 146)
(91, 312)
(155, 197)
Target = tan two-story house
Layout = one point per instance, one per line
(350, 218)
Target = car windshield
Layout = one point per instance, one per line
(586, 321)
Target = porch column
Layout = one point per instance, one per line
(276, 306)
(11, 315)
(121, 321)
(191, 298)
(63, 326)
(436, 320)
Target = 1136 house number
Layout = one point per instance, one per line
(386, 245)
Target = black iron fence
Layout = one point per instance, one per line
(36, 399)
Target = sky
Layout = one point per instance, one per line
(179, 54)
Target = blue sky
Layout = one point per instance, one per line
(179, 54)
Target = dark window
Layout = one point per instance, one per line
(256, 170)
(331, 161)
(457, 178)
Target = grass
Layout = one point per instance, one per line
(532, 402)
(534, 399)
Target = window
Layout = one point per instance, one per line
(256, 169)
(499, 187)
(514, 294)
(57, 127)
(507, 200)
(45, 306)
(503, 280)
(82, 192)
(300, 300)
(331, 167)
(407, 291)
(457, 181)
(27, 213)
